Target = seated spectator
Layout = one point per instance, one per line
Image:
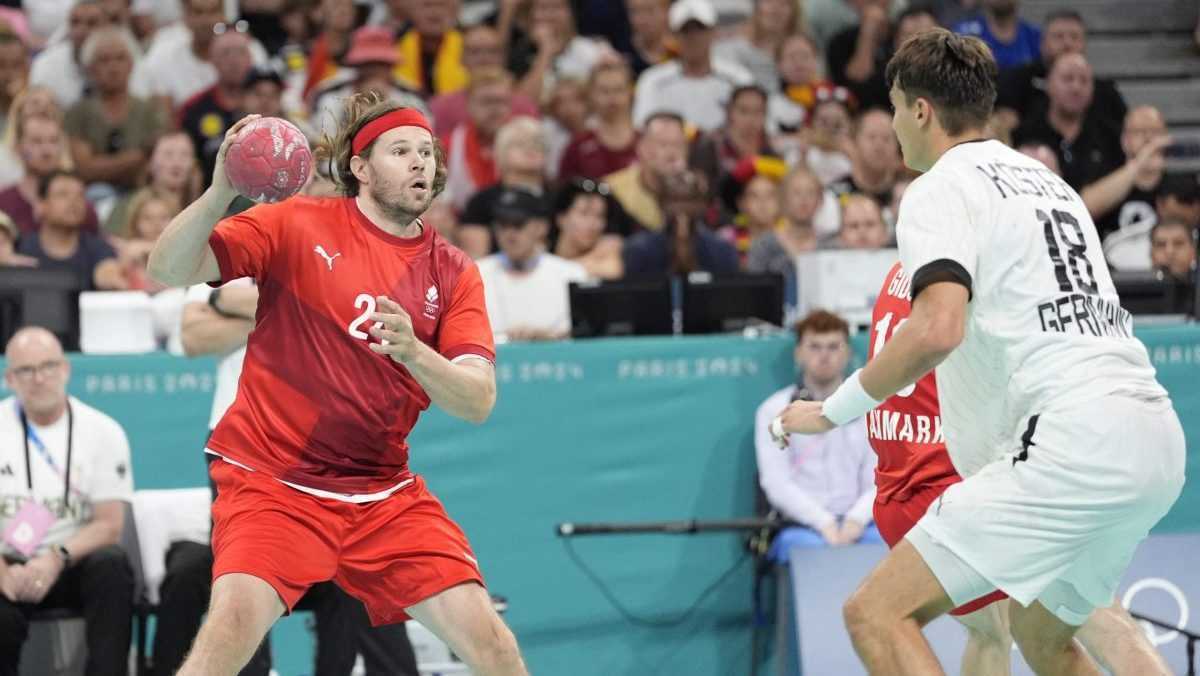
(370, 65)
(470, 163)
(661, 151)
(176, 70)
(751, 194)
(826, 18)
(755, 46)
(526, 288)
(1013, 41)
(830, 140)
(520, 153)
(825, 482)
(1176, 198)
(801, 69)
(43, 149)
(207, 115)
(430, 51)
(14, 73)
(685, 244)
(337, 20)
(744, 135)
(1124, 199)
(171, 171)
(149, 214)
(650, 42)
(610, 144)
(1022, 90)
(482, 49)
(76, 563)
(58, 67)
(858, 56)
(863, 226)
(582, 213)
(8, 245)
(1087, 146)
(696, 85)
(874, 158)
(111, 132)
(1173, 249)
(561, 51)
(61, 243)
(775, 250)
(567, 113)
(32, 101)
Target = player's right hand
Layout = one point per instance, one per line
(220, 182)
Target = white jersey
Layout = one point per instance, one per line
(1044, 325)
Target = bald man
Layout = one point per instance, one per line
(1125, 197)
(1087, 144)
(64, 474)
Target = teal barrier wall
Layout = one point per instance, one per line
(643, 429)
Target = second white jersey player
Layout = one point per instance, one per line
(1045, 326)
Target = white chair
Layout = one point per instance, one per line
(116, 322)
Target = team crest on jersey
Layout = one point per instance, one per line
(431, 304)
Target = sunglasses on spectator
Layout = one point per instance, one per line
(591, 187)
(239, 26)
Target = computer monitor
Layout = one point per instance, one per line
(40, 297)
(635, 307)
(723, 303)
(1150, 292)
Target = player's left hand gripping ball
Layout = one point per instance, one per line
(269, 160)
(804, 417)
(393, 328)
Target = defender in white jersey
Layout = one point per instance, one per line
(1070, 449)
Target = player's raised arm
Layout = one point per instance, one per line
(182, 255)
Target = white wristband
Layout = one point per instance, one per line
(848, 402)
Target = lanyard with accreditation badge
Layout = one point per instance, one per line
(31, 437)
(29, 526)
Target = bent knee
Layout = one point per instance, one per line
(860, 611)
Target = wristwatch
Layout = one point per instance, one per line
(213, 297)
(62, 553)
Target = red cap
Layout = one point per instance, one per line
(403, 117)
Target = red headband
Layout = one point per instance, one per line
(403, 117)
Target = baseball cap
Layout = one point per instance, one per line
(371, 44)
(683, 11)
(515, 206)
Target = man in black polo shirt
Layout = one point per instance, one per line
(207, 115)
(1088, 146)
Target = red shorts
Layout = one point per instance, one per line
(894, 519)
(391, 554)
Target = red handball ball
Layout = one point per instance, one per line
(269, 160)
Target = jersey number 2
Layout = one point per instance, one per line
(367, 302)
(882, 335)
(1069, 271)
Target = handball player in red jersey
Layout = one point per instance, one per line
(365, 317)
(914, 469)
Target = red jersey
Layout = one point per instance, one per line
(315, 406)
(906, 429)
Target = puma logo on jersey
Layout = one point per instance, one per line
(320, 251)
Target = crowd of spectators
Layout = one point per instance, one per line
(775, 130)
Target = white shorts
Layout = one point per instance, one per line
(1059, 518)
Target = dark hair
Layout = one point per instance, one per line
(48, 179)
(821, 321)
(916, 10)
(664, 115)
(564, 199)
(745, 89)
(1064, 15)
(1174, 223)
(957, 73)
(358, 111)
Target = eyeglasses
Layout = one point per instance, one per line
(45, 369)
(591, 187)
(239, 26)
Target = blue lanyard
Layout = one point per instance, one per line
(31, 435)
